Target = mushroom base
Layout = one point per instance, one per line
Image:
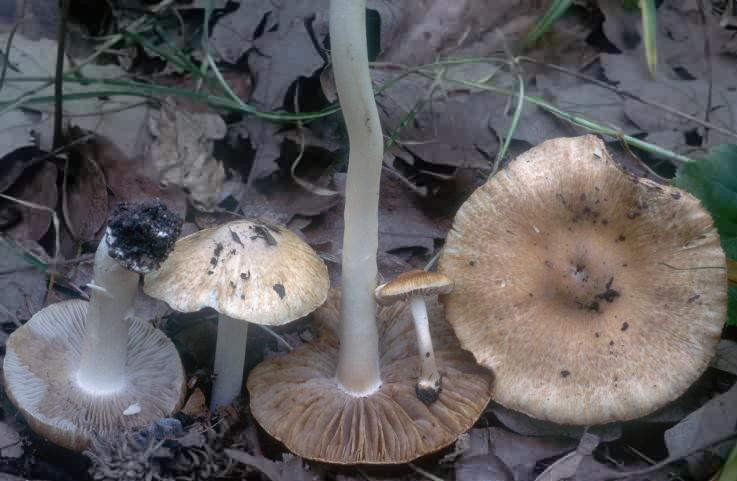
(41, 363)
(299, 401)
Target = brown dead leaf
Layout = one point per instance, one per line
(196, 405)
(277, 42)
(23, 290)
(567, 466)
(36, 185)
(527, 426)
(726, 357)
(15, 163)
(291, 469)
(10, 442)
(702, 428)
(84, 192)
(182, 153)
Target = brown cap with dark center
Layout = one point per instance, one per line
(413, 282)
(593, 295)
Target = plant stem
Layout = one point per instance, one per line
(59, 77)
(105, 347)
(358, 360)
(230, 356)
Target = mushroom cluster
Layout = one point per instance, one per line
(353, 396)
(76, 368)
(593, 295)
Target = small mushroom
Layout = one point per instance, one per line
(76, 368)
(248, 271)
(593, 295)
(414, 286)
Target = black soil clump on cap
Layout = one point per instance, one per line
(141, 235)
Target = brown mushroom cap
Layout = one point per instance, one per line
(41, 361)
(297, 399)
(594, 296)
(413, 282)
(249, 270)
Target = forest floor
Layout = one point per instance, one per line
(256, 133)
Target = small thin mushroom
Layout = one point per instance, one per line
(414, 286)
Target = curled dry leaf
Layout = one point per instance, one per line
(291, 469)
(84, 194)
(182, 152)
(567, 466)
(23, 289)
(38, 186)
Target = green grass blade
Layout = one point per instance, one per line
(543, 24)
(729, 471)
(649, 31)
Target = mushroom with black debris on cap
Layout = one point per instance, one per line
(593, 295)
(78, 368)
(248, 271)
(413, 286)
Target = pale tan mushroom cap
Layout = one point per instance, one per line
(40, 367)
(249, 270)
(594, 296)
(297, 399)
(413, 282)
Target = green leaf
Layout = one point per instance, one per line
(649, 31)
(729, 471)
(544, 23)
(714, 181)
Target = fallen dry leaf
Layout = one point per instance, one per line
(23, 289)
(16, 131)
(726, 357)
(527, 426)
(275, 37)
(196, 405)
(712, 421)
(84, 194)
(36, 185)
(567, 466)
(291, 469)
(10, 442)
(182, 153)
(15, 163)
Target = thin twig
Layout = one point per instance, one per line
(707, 59)
(625, 93)
(61, 41)
(423, 472)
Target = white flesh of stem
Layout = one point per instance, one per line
(429, 374)
(358, 359)
(230, 357)
(105, 345)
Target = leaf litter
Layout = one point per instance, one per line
(444, 138)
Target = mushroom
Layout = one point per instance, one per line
(349, 397)
(248, 271)
(593, 295)
(78, 368)
(413, 286)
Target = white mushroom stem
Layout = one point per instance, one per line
(429, 375)
(358, 360)
(105, 346)
(230, 358)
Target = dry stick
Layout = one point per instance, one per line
(625, 93)
(61, 41)
(707, 59)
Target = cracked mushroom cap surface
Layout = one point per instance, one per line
(249, 269)
(593, 295)
(297, 399)
(41, 361)
(406, 284)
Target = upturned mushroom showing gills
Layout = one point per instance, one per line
(78, 368)
(593, 295)
(248, 271)
(349, 397)
(412, 286)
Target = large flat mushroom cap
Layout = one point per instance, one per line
(297, 399)
(249, 270)
(41, 361)
(594, 296)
